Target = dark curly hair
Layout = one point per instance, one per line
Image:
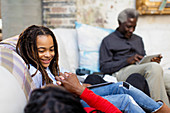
(53, 99)
(27, 48)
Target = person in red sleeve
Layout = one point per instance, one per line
(56, 99)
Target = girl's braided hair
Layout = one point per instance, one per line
(27, 48)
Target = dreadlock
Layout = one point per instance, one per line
(53, 99)
(27, 48)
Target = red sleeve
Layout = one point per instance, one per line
(89, 109)
(97, 102)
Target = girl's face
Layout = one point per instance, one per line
(45, 47)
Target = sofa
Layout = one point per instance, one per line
(78, 48)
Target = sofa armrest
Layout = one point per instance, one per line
(12, 99)
(10, 60)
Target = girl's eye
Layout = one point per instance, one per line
(52, 49)
(41, 51)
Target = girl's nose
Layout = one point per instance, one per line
(47, 54)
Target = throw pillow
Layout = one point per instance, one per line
(89, 40)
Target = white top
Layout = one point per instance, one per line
(38, 77)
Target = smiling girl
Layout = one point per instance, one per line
(38, 47)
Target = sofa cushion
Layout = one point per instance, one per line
(89, 40)
(68, 48)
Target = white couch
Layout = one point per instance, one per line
(71, 44)
(15, 95)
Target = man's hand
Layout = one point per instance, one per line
(70, 82)
(157, 59)
(86, 85)
(134, 59)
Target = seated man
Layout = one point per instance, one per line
(120, 51)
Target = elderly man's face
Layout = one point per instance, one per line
(127, 28)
